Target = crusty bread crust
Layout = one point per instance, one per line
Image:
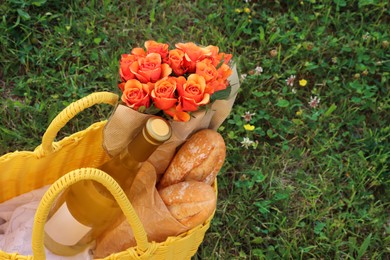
(190, 202)
(200, 158)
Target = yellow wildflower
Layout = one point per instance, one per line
(247, 10)
(302, 82)
(299, 112)
(249, 127)
(238, 10)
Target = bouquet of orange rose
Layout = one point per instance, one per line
(177, 81)
(194, 88)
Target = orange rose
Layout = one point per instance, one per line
(217, 56)
(177, 112)
(221, 58)
(221, 81)
(163, 93)
(136, 94)
(225, 57)
(207, 70)
(216, 85)
(139, 52)
(213, 49)
(126, 61)
(150, 69)
(156, 47)
(193, 54)
(193, 94)
(224, 72)
(124, 66)
(175, 61)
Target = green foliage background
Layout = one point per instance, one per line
(315, 182)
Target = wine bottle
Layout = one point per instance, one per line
(87, 209)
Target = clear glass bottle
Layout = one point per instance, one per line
(87, 209)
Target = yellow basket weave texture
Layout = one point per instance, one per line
(73, 159)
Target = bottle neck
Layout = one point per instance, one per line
(124, 166)
(140, 148)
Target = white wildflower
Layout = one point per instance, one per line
(246, 142)
(314, 102)
(258, 70)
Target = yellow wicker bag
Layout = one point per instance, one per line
(70, 160)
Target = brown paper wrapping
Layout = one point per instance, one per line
(154, 215)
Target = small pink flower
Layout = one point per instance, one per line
(290, 80)
(314, 102)
(248, 116)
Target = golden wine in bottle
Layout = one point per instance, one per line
(86, 209)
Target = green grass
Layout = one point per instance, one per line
(314, 184)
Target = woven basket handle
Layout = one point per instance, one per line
(71, 111)
(67, 180)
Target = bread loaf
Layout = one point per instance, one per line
(200, 159)
(156, 219)
(190, 202)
